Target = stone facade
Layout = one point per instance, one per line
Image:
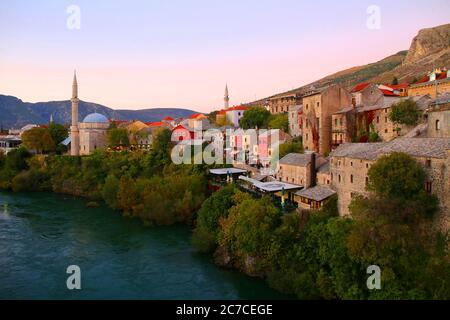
(296, 168)
(295, 121)
(92, 136)
(318, 108)
(350, 163)
(430, 88)
(282, 103)
(438, 118)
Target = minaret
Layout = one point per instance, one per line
(74, 133)
(226, 98)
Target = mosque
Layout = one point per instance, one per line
(88, 135)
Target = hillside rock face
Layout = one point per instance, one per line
(428, 42)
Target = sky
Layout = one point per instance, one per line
(137, 54)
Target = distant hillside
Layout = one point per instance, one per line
(14, 113)
(429, 49)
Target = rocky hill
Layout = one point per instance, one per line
(429, 49)
(14, 113)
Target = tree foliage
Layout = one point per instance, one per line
(279, 121)
(117, 137)
(405, 112)
(38, 139)
(255, 117)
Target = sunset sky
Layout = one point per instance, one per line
(180, 53)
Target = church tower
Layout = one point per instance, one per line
(74, 132)
(226, 98)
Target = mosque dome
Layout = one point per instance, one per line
(95, 118)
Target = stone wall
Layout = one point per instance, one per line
(348, 178)
(439, 129)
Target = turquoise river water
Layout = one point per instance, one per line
(42, 234)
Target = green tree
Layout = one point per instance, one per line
(58, 132)
(38, 139)
(117, 137)
(213, 209)
(255, 117)
(294, 146)
(110, 191)
(396, 175)
(159, 155)
(405, 112)
(279, 121)
(395, 81)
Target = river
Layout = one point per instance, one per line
(41, 234)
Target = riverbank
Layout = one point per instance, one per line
(312, 255)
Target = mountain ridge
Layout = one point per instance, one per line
(16, 113)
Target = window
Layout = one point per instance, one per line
(351, 178)
(351, 163)
(367, 181)
(378, 119)
(318, 104)
(367, 166)
(385, 119)
(335, 122)
(438, 125)
(428, 186)
(385, 130)
(428, 163)
(339, 178)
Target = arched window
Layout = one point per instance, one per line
(351, 178)
(438, 125)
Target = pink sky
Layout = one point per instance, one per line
(191, 72)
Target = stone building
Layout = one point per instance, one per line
(318, 108)
(295, 121)
(282, 103)
(437, 82)
(314, 197)
(369, 113)
(92, 133)
(438, 117)
(297, 168)
(350, 163)
(89, 135)
(323, 174)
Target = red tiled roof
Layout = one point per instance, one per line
(359, 87)
(440, 76)
(397, 86)
(181, 127)
(389, 93)
(196, 115)
(241, 108)
(155, 124)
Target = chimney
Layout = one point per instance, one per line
(313, 171)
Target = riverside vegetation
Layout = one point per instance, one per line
(314, 255)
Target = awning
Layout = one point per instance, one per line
(225, 171)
